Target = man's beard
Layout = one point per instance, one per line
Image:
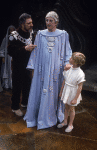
(28, 30)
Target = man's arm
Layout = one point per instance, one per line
(15, 47)
(30, 47)
(68, 53)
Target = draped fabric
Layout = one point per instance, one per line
(6, 72)
(47, 59)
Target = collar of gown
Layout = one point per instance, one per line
(57, 32)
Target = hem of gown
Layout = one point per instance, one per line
(39, 127)
(30, 124)
(33, 124)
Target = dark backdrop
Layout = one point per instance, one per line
(77, 17)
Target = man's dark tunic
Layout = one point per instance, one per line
(20, 75)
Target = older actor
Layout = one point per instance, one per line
(47, 60)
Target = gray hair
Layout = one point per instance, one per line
(54, 15)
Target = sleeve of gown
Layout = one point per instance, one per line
(68, 50)
(33, 56)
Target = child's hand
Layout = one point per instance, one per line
(67, 67)
(74, 101)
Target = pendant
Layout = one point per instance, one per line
(50, 49)
(50, 44)
(51, 39)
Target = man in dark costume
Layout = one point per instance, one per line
(20, 47)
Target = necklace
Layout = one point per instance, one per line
(16, 35)
(50, 43)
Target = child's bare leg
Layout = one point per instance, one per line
(72, 115)
(66, 113)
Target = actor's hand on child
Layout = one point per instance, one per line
(67, 67)
(30, 47)
(74, 101)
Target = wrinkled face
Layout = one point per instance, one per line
(28, 25)
(51, 24)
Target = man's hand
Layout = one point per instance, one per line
(31, 73)
(30, 47)
(67, 67)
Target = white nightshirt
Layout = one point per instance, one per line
(72, 77)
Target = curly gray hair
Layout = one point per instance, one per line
(54, 15)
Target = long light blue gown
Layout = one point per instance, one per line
(47, 59)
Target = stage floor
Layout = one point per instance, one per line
(14, 135)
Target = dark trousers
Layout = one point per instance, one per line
(21, 82)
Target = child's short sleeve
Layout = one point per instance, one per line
(66, 72)
(81, 78)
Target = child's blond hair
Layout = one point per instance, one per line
(79, 58)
